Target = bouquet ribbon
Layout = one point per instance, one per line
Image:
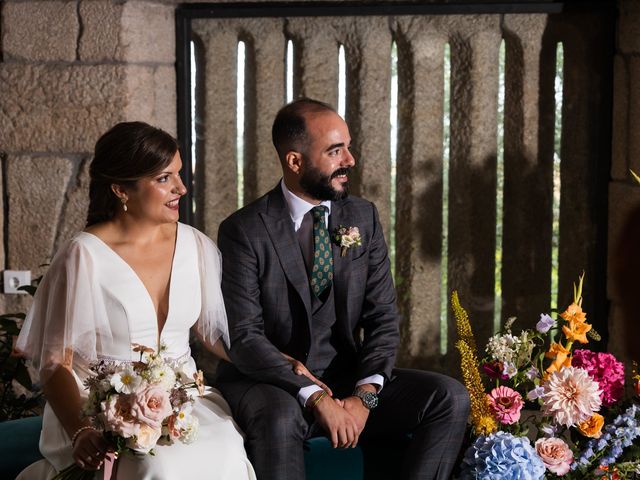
(109, 463)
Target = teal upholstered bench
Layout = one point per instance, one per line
(19, 448)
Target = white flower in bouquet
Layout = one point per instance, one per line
(126, 380)
(571, 396)
(146, 438)
(190, 433)
(162, 375)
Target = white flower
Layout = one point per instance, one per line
(163, 375)
(126, 380)
(571, 396)
(190, 432)
(183, 416)
(509, 369)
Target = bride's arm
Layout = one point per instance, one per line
(62, 394)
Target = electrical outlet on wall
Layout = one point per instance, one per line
(13, 279)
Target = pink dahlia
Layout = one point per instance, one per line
(571, 396)
(505, 404)
(556, 455)
(604, 369)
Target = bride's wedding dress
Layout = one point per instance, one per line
(92, 303)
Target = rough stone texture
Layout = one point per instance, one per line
(634, 115)
(132, 31)
(623, 197)
(217, 181)
(316, 48)
(63, 108)
(151, 95)
(76, 201)
(421, 43)
(620, 132)
(367, 43)
(475, 44)
(629, 26)
(148, 32)
(36, 188)
(39, 30)
(101, 27)
(526, 241)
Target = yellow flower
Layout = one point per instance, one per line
(576, 331)
(481, 414)
(463, 326)
(592, 427)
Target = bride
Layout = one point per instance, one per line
(135, 275)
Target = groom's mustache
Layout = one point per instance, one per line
(341, 171)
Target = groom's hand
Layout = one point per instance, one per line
(339, 424)
(358, 411)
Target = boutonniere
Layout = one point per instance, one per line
(346, 237)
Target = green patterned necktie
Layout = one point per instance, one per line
(322, 272)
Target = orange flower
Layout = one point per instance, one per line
(576, 331)
(592, 427)
(574, 313)
(560, 356)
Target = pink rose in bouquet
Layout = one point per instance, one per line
(151, 405)
(146, 438)
(506, 404)
(556, 455)
(116, 416)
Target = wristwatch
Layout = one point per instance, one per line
(369, 399)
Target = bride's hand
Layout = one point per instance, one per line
(300, 369)
(89, 449)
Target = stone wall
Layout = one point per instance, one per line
(69, 71)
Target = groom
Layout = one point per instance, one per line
(292, 285)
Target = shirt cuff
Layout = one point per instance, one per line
(305, 392)
(375, 379)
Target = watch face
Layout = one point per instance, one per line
(369, 399)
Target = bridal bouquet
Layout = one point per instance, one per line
(579, 425)
(138, 405)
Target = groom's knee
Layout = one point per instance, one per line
(272, 413)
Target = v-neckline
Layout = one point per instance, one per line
(159, 330)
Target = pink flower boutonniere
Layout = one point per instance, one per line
(346, 237)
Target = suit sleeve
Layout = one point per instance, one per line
(251, 351)
(379, 319)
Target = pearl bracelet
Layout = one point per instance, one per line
(78, 432)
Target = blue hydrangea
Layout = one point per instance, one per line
(502, 456)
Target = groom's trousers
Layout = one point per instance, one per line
(428, 409)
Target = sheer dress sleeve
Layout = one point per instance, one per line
(212, 323)
(68, 316)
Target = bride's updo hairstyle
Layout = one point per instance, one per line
(125, 154)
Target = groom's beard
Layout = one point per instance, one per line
(318, 186)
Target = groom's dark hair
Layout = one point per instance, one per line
(289, 131)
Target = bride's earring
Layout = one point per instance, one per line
(124, 204)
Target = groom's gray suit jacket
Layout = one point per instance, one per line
(268, 299)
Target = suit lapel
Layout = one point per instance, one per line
(280, 229)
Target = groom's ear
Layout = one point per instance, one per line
(294, 160)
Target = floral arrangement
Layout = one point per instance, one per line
(579, 425)
(138, 405)
(346, 237)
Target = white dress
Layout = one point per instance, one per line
(93, 303)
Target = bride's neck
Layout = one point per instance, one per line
(132, 231)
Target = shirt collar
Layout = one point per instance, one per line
(299, 207)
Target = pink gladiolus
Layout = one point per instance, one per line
(506, 404)
(556, 455)
(151, 406)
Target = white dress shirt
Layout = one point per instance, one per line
(298, 208)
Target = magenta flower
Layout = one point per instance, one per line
(604, 369)
(494, 370)
(506, 404)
